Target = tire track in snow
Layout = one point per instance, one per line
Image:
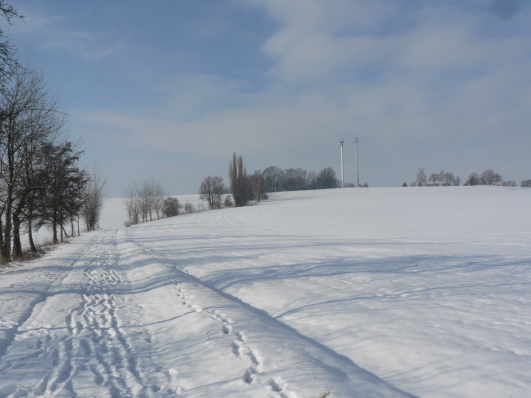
(94, 345)
(13, 327)
(26, 332)
(96, 328)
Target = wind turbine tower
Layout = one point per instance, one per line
(342, 165)
(357, 169)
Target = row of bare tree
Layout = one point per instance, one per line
(441, 178)
(276, 179)
(40, 181)
(488, 177)
(143, 202)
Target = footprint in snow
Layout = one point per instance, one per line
(277, 385)
(227, 329)
(241, 337)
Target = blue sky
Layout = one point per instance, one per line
(169, 89)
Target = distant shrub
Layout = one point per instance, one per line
(526, 184)
(170, 207)
(227, 202)
(189, 208)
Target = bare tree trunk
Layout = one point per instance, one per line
(2, 258)
(6, 247)
(17, 244)
(54, 226)
(30, 236)
(21, 205)
(61, 228)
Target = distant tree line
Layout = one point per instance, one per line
(277, 180)
(441, 178)
(488, 177)
(147, 200)
(254, 187)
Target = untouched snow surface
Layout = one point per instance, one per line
(381, 292)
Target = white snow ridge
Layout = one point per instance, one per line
(377, 292)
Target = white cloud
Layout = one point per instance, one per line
(447, 88)
(50, 33)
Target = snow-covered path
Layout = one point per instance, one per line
(74, 335)
(121, 321)
(346, 291)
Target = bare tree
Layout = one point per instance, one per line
(211, 191)
(257, 185)
(489, 176)
(441, 177)
(326, 178)
(146, 201)
(473, 179)
(159, 195)
(421, 177)
(434, 178)
(93, 200)
(132, 204)
(273, 178)
(295, 179)
(311, 180)
(141, 201)
(8, 64)
(189, 207)
(448, 179)
(28, 119)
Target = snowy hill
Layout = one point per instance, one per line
(381, 292)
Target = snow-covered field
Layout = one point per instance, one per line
(380, 292)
